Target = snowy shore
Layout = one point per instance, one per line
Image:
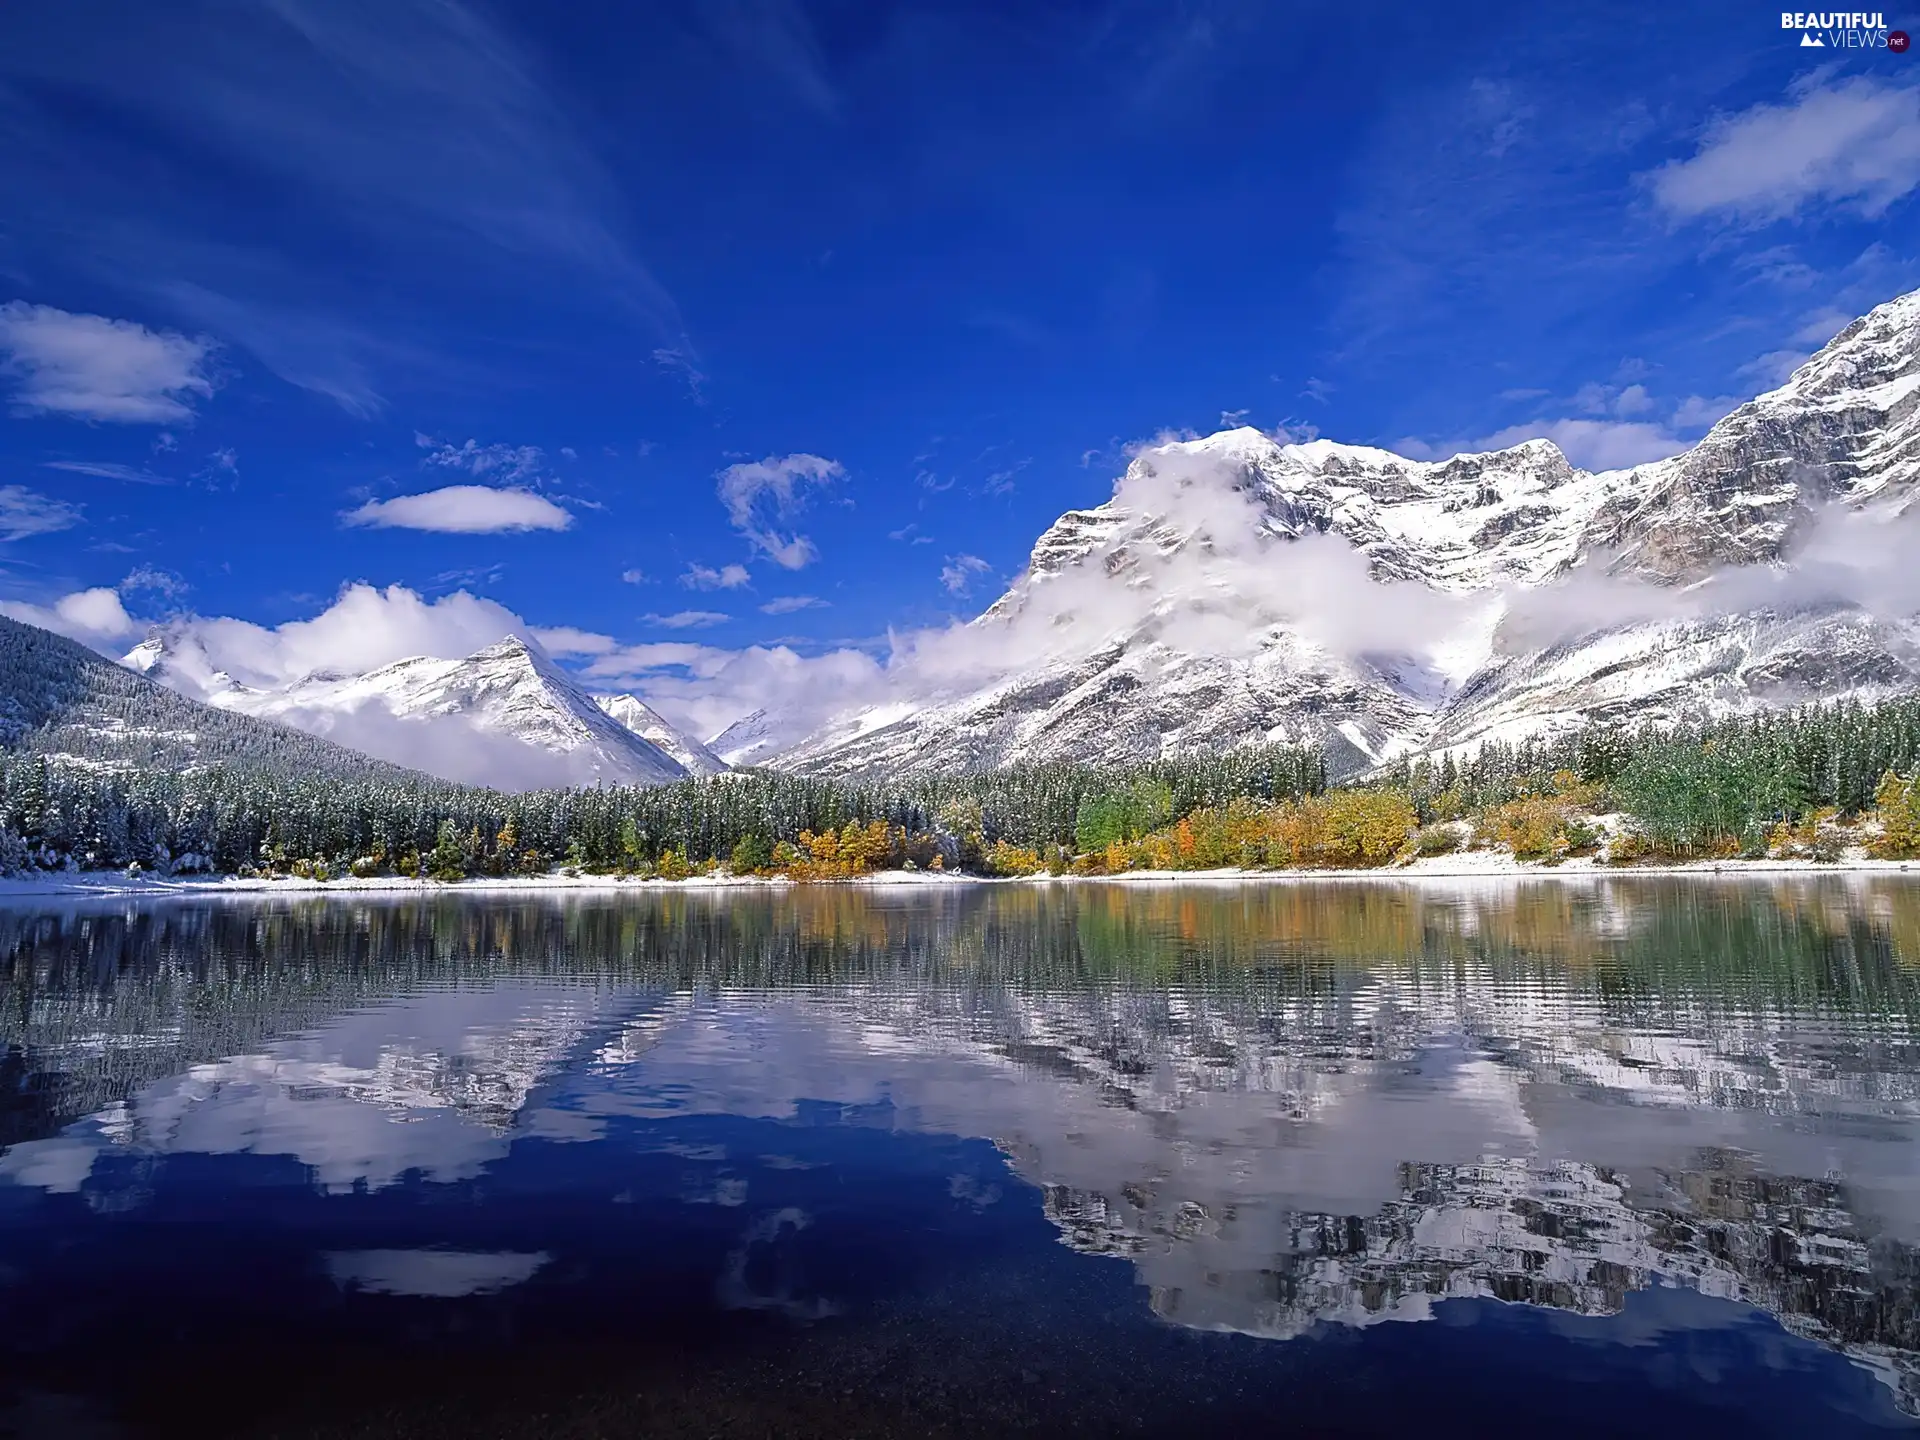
(1472, 865)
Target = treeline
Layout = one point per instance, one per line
(1705, 787)
(60, 813)
(1758, 785)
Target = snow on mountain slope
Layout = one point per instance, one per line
(60, 699)
(752, 739)
(505, 716)
(1237, 589)
(646, 722)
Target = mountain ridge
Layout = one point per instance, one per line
(505, 716)
(62, 700)
(1165, 619)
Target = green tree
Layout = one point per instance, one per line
(447, 859)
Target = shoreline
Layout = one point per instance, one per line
(1471, 866)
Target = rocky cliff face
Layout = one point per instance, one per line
(1214, 600)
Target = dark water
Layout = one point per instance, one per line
(1353, 1159)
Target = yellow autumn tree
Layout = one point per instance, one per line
(1897, 808)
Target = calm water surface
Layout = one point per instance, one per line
(1596, 1158)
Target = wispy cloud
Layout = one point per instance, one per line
(466, 577)
(406, 130)
(788, 604)
(154, 581)
(1001, 481)
(959, 573)
(705, 577)
(680, 362)
(25, 512)
(1852, 142)
(315, 349)
(633, 576)
(777, 38)
(761, 495)
(463, 510)
(566, 640)
(94, 368)
(687, 619)
(107, 470)
(511, 464)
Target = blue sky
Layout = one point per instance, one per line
(721, 338)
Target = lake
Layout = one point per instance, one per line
(1584, 1158)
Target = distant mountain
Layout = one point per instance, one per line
(505, 716)
(646, 722)
(58, 698)
(753, 739)
(1198, 609)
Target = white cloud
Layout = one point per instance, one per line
(565, 640)
(25, 512)
(687, 619)
(788, 604)
(463, 510)
(707, 688)
(957, 575)
(1852, 143)
(1594, 444)
(634, 576)
(759, 495)
(1633, 400)
(93, 617)
(365, 627)
(94, 368)
(704, 577)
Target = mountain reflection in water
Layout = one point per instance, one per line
(1282, 1106)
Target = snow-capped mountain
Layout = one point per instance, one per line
(1238, 589)
(646, 722)
(505, 716)
(751, 740)
(60, 699)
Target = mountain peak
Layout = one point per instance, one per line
(646, 722)
(505, 716)
(1178, 616)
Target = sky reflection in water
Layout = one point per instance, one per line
(958, 1159)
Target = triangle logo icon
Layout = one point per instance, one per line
(1810, 41)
